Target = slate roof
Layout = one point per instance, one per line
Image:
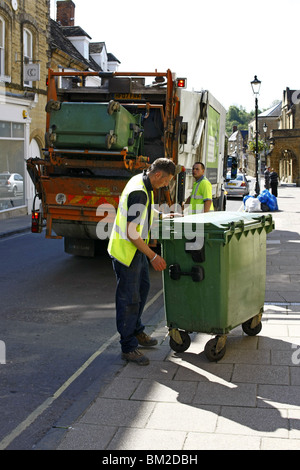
(112, 58)
(96, 47)
(59, 41)
(275, 111)
(74, 31)
(233, 136)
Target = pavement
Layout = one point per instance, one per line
(249, 400)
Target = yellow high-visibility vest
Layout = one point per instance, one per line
(119, 246)
(201, 191)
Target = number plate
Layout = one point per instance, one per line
(128, 96)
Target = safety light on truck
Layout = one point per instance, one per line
(36, 222)
(181, 82)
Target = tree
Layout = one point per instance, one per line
(238, 116)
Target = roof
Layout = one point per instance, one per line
(112, 58)
(60, 41)
(275, 111)
(96, 47)
(233, 135)
(74, 31)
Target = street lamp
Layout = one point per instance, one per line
(255, 84)
(265, 129)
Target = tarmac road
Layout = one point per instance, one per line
(57, 310)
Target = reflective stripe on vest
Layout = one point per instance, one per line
(119, 246)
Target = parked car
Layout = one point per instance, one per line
(11, 184)
(238, 186)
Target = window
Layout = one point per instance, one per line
(12, 141)
(27, 47)
(2, 47)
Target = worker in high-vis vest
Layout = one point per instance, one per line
(200, 199)
(129, 249)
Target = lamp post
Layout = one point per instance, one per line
(255, 84)
(265, 129)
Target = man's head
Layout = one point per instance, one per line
(161, 172)
(198, 170)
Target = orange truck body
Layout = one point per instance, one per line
(73, 183)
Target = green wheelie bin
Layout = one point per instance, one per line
(215, 276)
(98, 126)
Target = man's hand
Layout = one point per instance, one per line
(158, 263)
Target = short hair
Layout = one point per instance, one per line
(200, 163)
(163, 164)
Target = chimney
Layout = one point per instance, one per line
(234, 128)
(65, 12)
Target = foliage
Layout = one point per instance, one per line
(261, 145)
(238, 116)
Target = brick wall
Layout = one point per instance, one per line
(65, 13)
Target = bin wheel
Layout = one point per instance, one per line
(113, 107)
(110, 139)
(251, 331)
(211, 352)
(186, 342)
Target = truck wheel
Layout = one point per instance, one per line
(186, 342)
(246, 326)
(211, 352)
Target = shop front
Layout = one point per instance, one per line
(14, 145)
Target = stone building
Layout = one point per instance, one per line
(285, 140)
(72, 48)
(30, 43)
(24, 59)
(269, 119)
(237, 145)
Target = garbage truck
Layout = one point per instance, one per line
(102, 129)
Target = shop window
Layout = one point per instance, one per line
(5, 129)
(18, 131)
(12, 141)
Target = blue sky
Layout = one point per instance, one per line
(218, 45)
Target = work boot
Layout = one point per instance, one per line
(146, 340)
(137, 357)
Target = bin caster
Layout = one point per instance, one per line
(215, 348)
(253, 326)
(113, 107)
(180, 341)
(110, 139)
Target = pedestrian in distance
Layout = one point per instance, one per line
(274, 182)
(267, 177)
(200, 199)
(129, 249)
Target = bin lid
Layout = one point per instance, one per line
(218, 218)
(220, 222)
